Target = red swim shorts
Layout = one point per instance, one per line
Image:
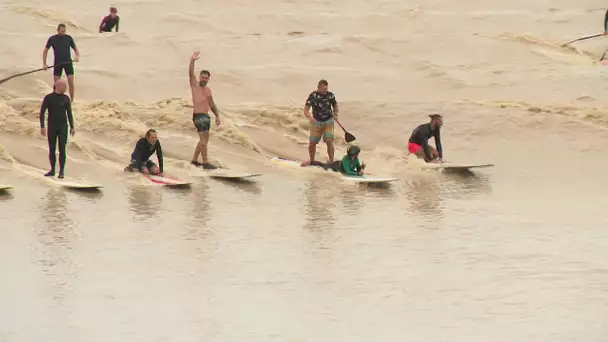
(413, 148)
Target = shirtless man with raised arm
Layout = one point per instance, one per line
(202, 101)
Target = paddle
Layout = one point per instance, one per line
(583, 38)
(347, 136)
(29, 72)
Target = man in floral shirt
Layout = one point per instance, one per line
(324, 110)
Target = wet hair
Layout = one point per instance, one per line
(205, 72)
(322, 82)
(150, 131)
(435, 116)
(60, 26)
(113, 10)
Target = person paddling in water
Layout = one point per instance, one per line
(202, 101)
(110, 21)
(419, 140)
(140, 158)
(350, 164)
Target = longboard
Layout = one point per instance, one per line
(166, 181)
(72, 183)
(228, 174)
(355, 179)
(4, 187)
(450, 166)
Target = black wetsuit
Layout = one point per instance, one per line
(61, 44)
(335, 166)
(142, 152)
(60, 113)
(421, 136)
(108, 23)
(606, 21)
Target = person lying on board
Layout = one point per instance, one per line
(140, 158)
(419, 140)
(350, 164)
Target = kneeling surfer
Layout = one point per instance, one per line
(350, 164)
(419, 140)
(140, 158)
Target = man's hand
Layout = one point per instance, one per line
(76, 59)
(217, 121)
(43, 132)
(312, 120)
(196, 55)
(361, 173)
(72, 131)
(44, 66)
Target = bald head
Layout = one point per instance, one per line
(60, 86)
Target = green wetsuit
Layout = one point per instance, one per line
(350, 167)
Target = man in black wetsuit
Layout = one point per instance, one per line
(61, 44)
(140, 158)
(419, 140)
(60, 113)
(110, 21)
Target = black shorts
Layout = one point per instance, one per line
(68, 67)
(148, 164)
(202, 122)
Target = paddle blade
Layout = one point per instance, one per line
(349, 137)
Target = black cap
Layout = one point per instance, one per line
(435, 116)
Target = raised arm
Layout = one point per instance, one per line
(191, 74)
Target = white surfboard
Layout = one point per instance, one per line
(72, 183)
(355, 179)
(166, 181)
(230, 174)
(4, 187)
(453, 166)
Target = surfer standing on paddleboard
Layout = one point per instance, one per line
(350, 164)
(60, 113)
(140, 158)
(202, 101)
(419, 140)
(61, 44)
(110, 21)
(322, 119)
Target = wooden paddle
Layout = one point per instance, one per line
(29, 72)
(347, 136)
(583, 38)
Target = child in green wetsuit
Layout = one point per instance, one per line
(350, 164)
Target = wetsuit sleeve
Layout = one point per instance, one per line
(349, 167)
(140, 150)
(43, 108)
(117, 23)
(606, 21)
(49, 42)
(68, 108)
(72, 43)
(159, 154)
(438, 142)
(102, 24)
(425, 142)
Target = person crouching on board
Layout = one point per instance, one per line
(110, 21)
(419, 140)
(140, 158)
(350, 164)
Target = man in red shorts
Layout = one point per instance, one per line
(419, 140)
